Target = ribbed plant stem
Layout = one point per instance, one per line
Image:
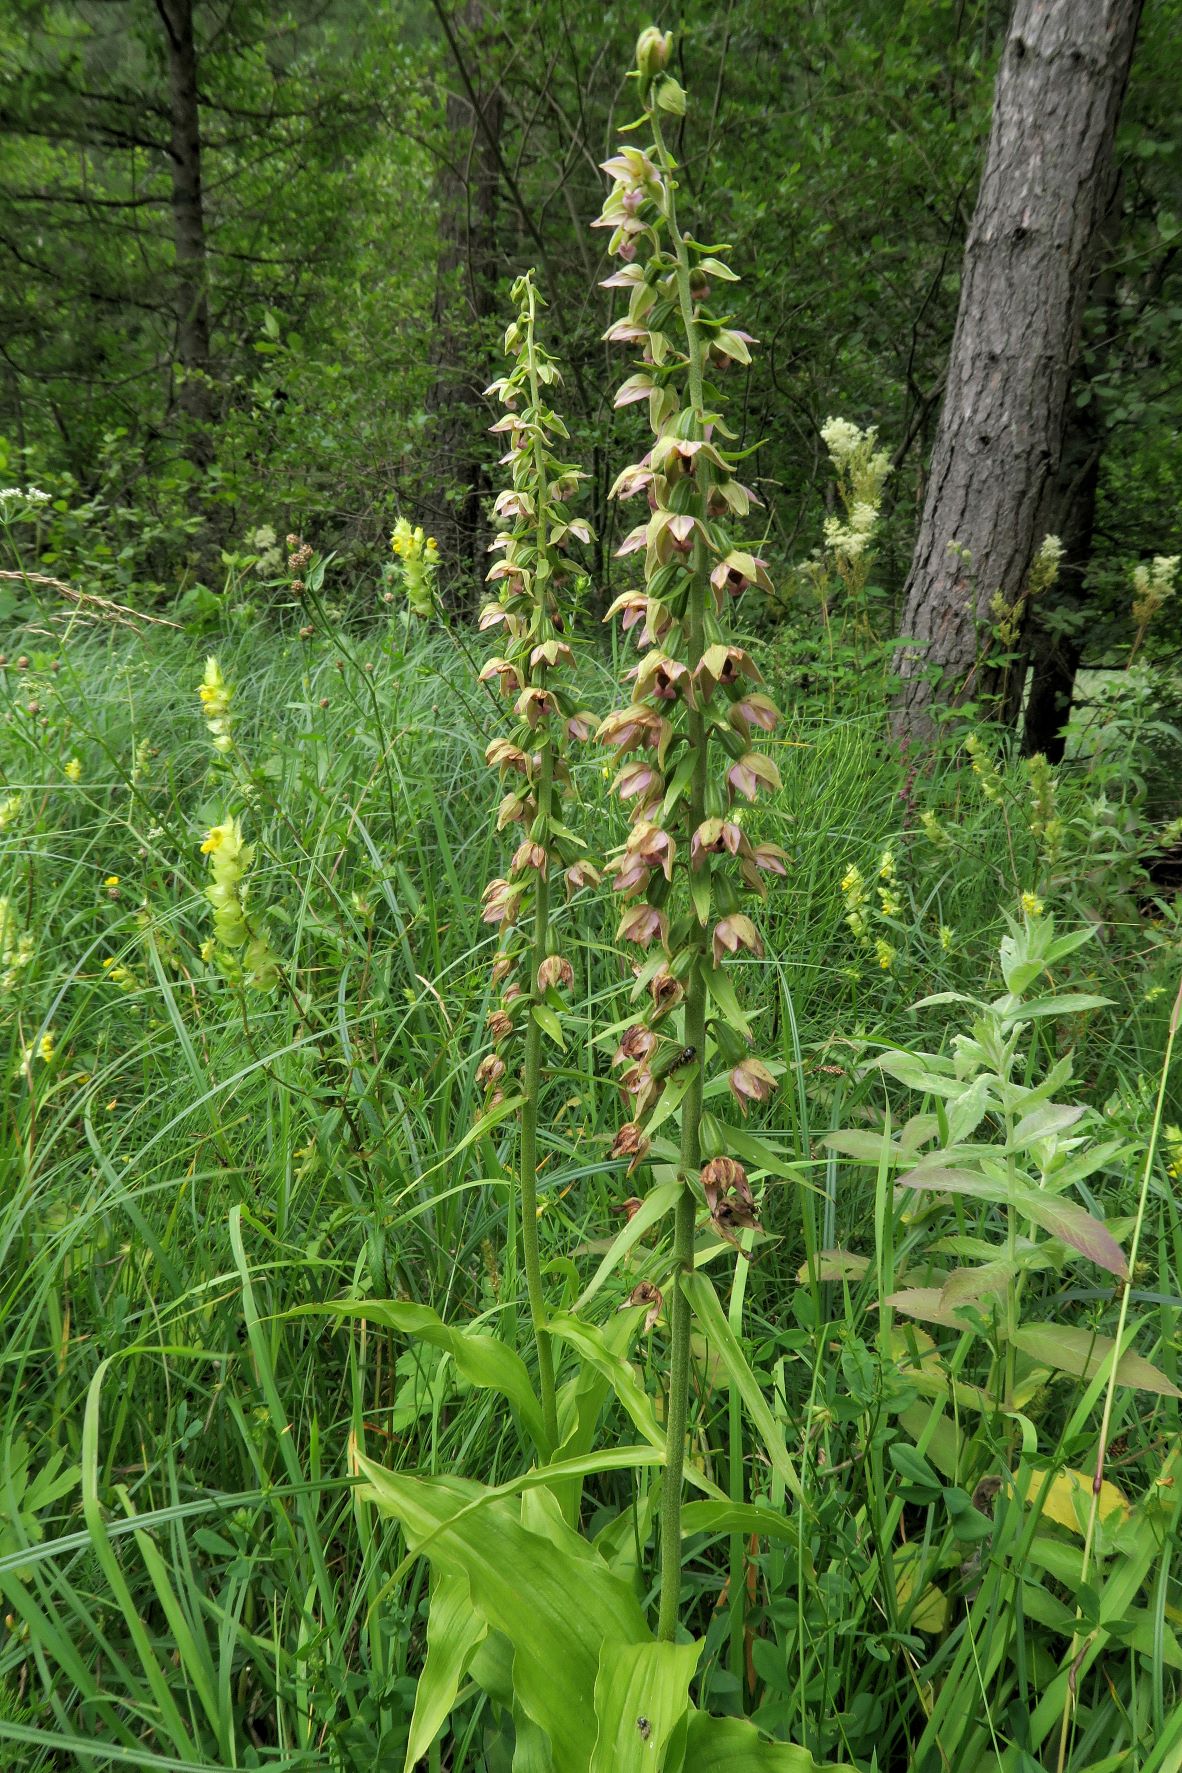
(677, 1409)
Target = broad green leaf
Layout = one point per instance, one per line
(835, 1265)
(723, 994)
(919, 1071)
(641, 1693)
(929, 1305)
(970, 1284)
(926, 1610)
(1049, 1119)
(483, 1360)
(866, 1147)
(589, 1344)
(1071, 1350)
(1071, 1003)
(454, 1631)
(968, 1110)
(1068, 1499)
(556, 1601)
(704, 1301)
(655, 1205)
(734, 1745)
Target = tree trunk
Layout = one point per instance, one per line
(1043, 194)
(465, 299)
(188, 224)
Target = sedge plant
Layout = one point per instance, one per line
(686, 737)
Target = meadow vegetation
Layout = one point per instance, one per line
(666, 1259)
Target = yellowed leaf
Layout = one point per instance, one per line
(930, 1612)
(1069, 1499)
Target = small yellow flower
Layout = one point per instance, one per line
(1032, 905)
(73, 770)
(1172, 1140)
(885, 953)
(886, 868)
(208, 949)
(851, 881)
(109, 962)
(45, 1046)
(947, 937)
(890, 905)
(111, 880)
(214, 838)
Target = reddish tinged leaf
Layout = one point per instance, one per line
(1065, 1220)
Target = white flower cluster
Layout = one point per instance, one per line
(1157, 579)
(28, 496)
(850, 539)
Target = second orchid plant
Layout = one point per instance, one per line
(529, 971)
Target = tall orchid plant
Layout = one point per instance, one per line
(686, 739)
(528, 576)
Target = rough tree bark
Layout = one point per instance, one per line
(1043, 194)
(195, 396)
(465, 295)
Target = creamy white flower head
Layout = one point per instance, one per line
(841, 438)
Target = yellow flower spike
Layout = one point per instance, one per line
(1032, 905)
(73, 770)
(45, 1046)
(886, 955)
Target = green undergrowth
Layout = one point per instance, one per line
(193, 1169)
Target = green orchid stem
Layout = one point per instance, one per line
(532, 1078)
(677, 1409)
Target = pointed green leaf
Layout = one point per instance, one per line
(483, 1360)
(454, 1632)
(704, 1303)
(654, 1206)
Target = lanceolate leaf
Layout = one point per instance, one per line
(1064, 1219)
(654, 1206)
(1071, 1350)
(1075, 1226)
(454, 1631)
(1046, 1120)
(590, 1345)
